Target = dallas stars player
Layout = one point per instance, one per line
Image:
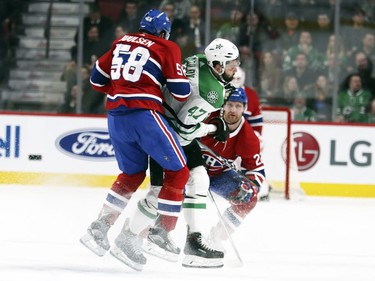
(209, 76)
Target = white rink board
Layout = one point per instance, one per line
(346, 154)
(37, 136)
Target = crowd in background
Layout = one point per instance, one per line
(287, 48)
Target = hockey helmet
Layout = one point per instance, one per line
(155, 22)
(238, 95)
(222, 51)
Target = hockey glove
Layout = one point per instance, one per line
(243, 193)
(222, 131)
(229, 89)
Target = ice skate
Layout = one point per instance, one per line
(128, 249)
(200, 255)
(216, 238)
(96, 237)
(159, 244)
(264, 192)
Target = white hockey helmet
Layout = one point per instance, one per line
(222, 51)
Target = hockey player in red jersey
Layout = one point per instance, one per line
(253, 112)
(254, 117)
(132, 74)
(240, 188)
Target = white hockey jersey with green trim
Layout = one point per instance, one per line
(207, 96)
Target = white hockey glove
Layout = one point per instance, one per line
(243, 193)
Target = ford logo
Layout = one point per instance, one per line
(89, 144)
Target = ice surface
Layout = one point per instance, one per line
(315, 239)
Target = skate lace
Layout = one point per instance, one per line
(204, 245)
(135, 245)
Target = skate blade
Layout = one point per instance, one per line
(156, 251)
(199, 262)
(118, 254)
(90, 243)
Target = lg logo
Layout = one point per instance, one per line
(307, 150)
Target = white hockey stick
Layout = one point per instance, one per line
(234, 247)
(231, 166)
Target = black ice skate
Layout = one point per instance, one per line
(200, 255)
(159, 244)
(128, 249)
(96, 237)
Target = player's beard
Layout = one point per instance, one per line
(226, 77)
(232, 119)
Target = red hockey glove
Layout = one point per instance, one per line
(243, 193)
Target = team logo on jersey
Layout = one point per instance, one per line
(307, 150)
(89, 144)
(212, 97)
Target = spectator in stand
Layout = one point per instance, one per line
(192, 40)
(300, 7)
(248, 65)
(182, 7)
(3, 58)
(95, 18)
(364, 67)
(300, 112)
(291, 89)
(120, 31)
(354, 33)
(305, 76)
(319, 99)
(353, 101)
(130, 16)
(273, 10)
(305, 46)
(322, 31)
(369, 7)
(289, 35)
(368, 47)
(341, 52)
(177, 25)
(196, 28)
(230, 30)
(257, 33)
(70, 99)
(93, 46)
(271, 76)
(371, 115)
(11, 29)
(329, 69)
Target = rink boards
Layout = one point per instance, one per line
(332, 159)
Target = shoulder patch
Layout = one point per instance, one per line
(212, 97)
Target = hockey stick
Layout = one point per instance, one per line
(210, 195)
(234, 247)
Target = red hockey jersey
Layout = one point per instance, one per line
(241, 143)
(135, 70)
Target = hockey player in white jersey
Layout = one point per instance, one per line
(209, 75)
